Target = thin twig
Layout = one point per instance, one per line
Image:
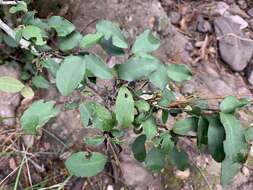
(9, 2)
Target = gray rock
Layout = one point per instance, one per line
(234, 51)
(203, 25)
(175, 17)
(250, 12)
(9, 101)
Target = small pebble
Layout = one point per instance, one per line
(183, 174)
(203, 25)
(175, 17)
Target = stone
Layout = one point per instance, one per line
(250, 12)
(203, 25)
(175, 17)
(234, 51)
(9, 101)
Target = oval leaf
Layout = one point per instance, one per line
(179, 72)
(136, 68)
(145, 43)
(10, 84)
(231, 103)
(70, 42)
(62, 26)
(97, 67)
(183, 127)
(91, 39)
(138, 148)
(155, 160)
(124, 107)
(80, 165)
(70, 74)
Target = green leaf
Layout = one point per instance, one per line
(69, 42)
(235, 146)
(167, 145)
(167, 97)
(29, 19)
(37, 115)
(136, 68)
(138, 148)
(110, 30)
(10, 41)
(183, 127)
(20, 7)
(80, 164)
(62, 26)
(231, 103)
(40, 82)
(100, 117)
(179, 158)
(124, 104)
(145, 43)
(165, 116)
(98, 67)
(70, 74)
(228, 171)
(149, 128)
(50, 65)
(178, 72)
(27, 92)
(91, 39)
(159, 77)
(71, 105)
(248, 133)
(155, 159)
(94, 141)
(85, 115)
(216, 136)
(142, 105)
(10, 84)
(202, 131)
(110, 48)
(33, 32)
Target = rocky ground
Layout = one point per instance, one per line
(215, 38)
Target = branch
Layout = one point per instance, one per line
(24, 43)
(9, 2)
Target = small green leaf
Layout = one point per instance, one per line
(183, 127)
(91, 39)
(149, 128)
(100, 117)
(167, 97)
(10, 41)
(165, 116)
(231, 103)
(110, 48)
(85, 115)
(110, 30)
(159, 77)
(216, 136)
(167, 145)
(124, 104)
(70, 74)
(97, 67)
(27, 92)
(142, 105)
(33, 32)
(50, 65)
(138, 148)
(155, 159)
(20, 7)
(235, 145)
(71, 105)
(69, 42)
(202, 131)
(136, 68)
(10, 84)
(80, 164)
(37, 115)
(62, 26)
(94, 141)
(145, 43)
(179, 158)
(40, 82)
(179, 72)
